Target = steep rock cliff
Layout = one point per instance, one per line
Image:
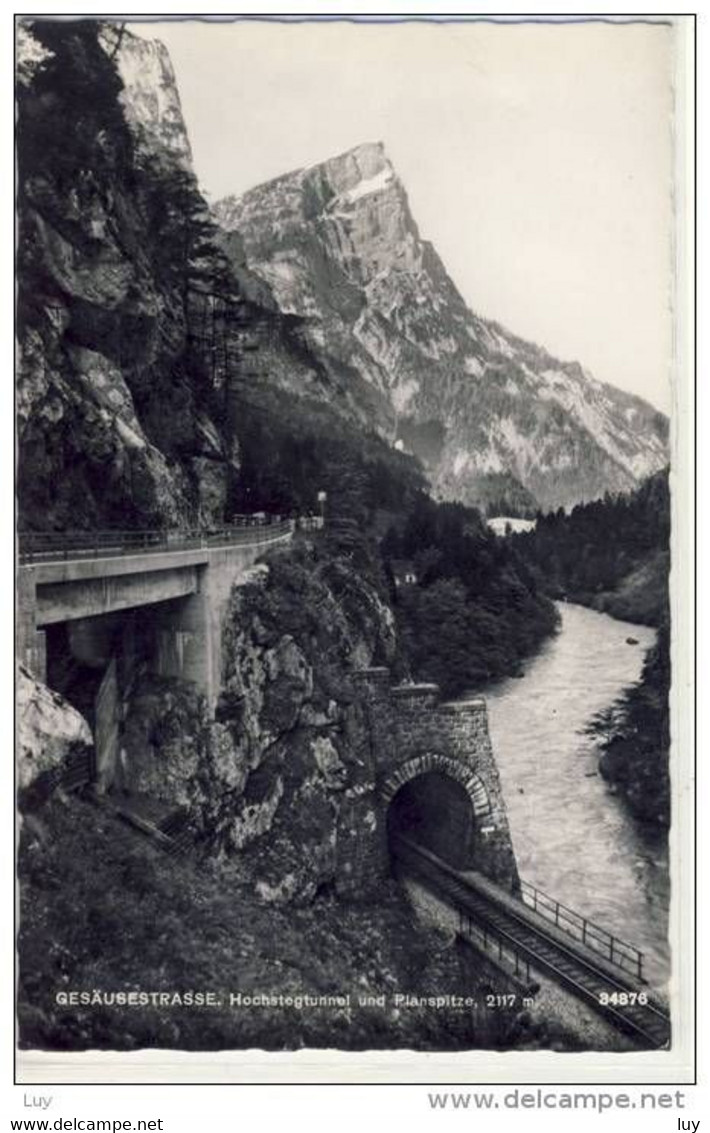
(49, 730)
(116, 415)
(283, 777)
(493, 417)
(150, 352)
(150, 97)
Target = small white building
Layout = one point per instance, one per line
(510, 524)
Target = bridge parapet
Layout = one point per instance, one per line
(58, 546)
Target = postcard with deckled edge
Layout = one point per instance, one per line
(354, 575)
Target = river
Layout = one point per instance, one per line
(573, 837)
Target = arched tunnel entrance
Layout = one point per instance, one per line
(436, 811)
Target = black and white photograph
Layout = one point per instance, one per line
(351, 612)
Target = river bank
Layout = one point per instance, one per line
(573, 836)
(641, 596)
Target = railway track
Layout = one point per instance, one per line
(614, 996)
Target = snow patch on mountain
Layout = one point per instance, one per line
(461, 462)
(402, 394)
(369, 185)
(473, 366)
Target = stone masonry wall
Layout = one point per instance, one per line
(412, 732)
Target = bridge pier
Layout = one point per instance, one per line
(189, 632)
(183, 631)
(31, 642)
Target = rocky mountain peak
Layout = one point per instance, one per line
(357, 172)
(495, 419)
(356, 207)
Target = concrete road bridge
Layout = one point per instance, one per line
(184, 577)
(92, 605)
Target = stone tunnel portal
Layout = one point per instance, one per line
(436, 811)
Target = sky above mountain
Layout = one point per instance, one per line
(537, 158)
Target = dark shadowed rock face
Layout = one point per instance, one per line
(196, 925)
(492, 416)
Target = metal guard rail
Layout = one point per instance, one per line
(430, 860)
(55, 546)
(616, 950)
(496, 942)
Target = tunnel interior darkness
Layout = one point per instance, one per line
(72, 671)
(435, 811)
(79, 651)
